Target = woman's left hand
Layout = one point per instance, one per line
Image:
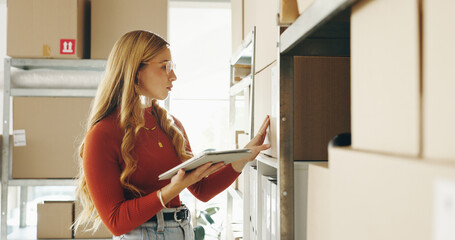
(255, 145)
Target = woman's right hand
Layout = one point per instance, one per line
(183, 179)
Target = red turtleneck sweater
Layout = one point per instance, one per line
(119, 210)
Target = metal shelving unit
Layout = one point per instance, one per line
(244, 90)
(9, 92)
(322, 30)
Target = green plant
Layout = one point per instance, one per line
(204, 219)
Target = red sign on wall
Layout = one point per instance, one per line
(67, 46)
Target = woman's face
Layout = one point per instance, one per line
(153, 79)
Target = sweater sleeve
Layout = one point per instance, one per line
(208, 188)
(102, 172)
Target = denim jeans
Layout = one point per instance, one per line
(161, 229)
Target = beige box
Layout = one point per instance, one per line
(379, 197)
(438, 80)
(267, 34)
(111, 19)
(321, 104)
(55, 219)
(48, 28)
(385, 76)
(54, 128)
(318, 221)
(304, 5)
(237, 23)
(249, 16)
(102, 231)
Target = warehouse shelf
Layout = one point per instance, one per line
(241, 85)
(321, 30)
(30, 92)
(236, 194)
(41, 182)
(58, 91)
(83, 64)
(271, 161)
(320, 20)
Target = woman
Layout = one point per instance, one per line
(131, 140)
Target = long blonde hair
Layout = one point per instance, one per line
(119, 89)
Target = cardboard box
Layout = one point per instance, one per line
(102, 231)
(385, 76)
(267, 34)
(249, 16)
(289, 12)
(54, 128)
(318, 221)
(111, 19)
(241, 71)
(237, 23)
(377, 196)
(438, 80)
(304, 5)
(55, 219)
(48, 28)
(321, 104)
(262, 96)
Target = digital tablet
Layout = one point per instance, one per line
(205, 157)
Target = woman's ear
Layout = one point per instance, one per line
(138, 77)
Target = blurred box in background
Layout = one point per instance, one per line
(54, 128)
(55, 219)
(111, 19)
(48, 28)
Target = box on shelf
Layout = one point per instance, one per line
(241, 71)
(438, 84)
(249, 16)
(48, 28)
(102, 231)
(318, 202)
(237, 23)
(289, 12)
(321, 104)
(55, 219)
(304, 5)
(111, 19)
(385, 76)
(267, 33)
(373, 194)
(54, 128)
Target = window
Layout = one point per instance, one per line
(200, 38)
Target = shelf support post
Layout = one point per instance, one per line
(286, 148)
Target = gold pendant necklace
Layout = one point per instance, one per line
(153, 128)
(156, 138)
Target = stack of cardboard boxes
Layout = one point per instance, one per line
(55, 220)
(54, 127)
(397, 179)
